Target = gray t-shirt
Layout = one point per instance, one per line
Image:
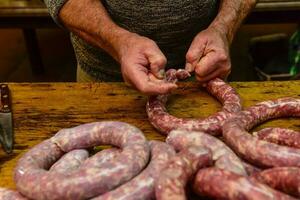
(172, 24)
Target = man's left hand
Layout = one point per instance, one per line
(208, 55)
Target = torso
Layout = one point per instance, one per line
(172, 24)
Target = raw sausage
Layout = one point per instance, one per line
(70, 161)
(179, 170)
(6, 194)
(286, 179)
(281, 136)
(35, 182)
(101, 157)
(251, 169)
(142, 186)
(223, 156)
(222, 184)
(164, 122)
(259, 152)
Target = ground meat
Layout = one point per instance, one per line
(164, 122)
(223, 184)
(280, 136)
(223, 156)
(258, 152)
(179, 170)
(34, 180)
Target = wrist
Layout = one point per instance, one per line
(112, 38)
(231, 15)
(223, 31)
(120, 41)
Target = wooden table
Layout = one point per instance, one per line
(40, 110)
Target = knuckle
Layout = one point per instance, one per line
(222, 57)
(160, 61)
(198, 70)
(151, 44)
(190, 56)
(226, 68)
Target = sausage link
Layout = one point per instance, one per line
(6, 194)
(179, 170)
(173, 75)
(100, 158)
(164, 122)
(251, 169)
(225, 94)
(70, 161)
(280, 136)
(286, 179)
(142, 186)
(35, 182)
(257, 151)
(222, 184)
(223, 156)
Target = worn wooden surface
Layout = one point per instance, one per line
(40, 110)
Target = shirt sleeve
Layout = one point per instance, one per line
(54, 7)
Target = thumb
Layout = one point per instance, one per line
(157, 63)
(194, 54)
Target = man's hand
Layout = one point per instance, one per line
(142, 64)
(141, 60)
(208, 55)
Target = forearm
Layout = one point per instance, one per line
(230, 16)
(90, 20)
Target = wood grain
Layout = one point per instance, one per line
(40, 110)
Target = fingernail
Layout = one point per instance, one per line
(189, 67)
(161, 74)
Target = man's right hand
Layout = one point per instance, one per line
(142, 64)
